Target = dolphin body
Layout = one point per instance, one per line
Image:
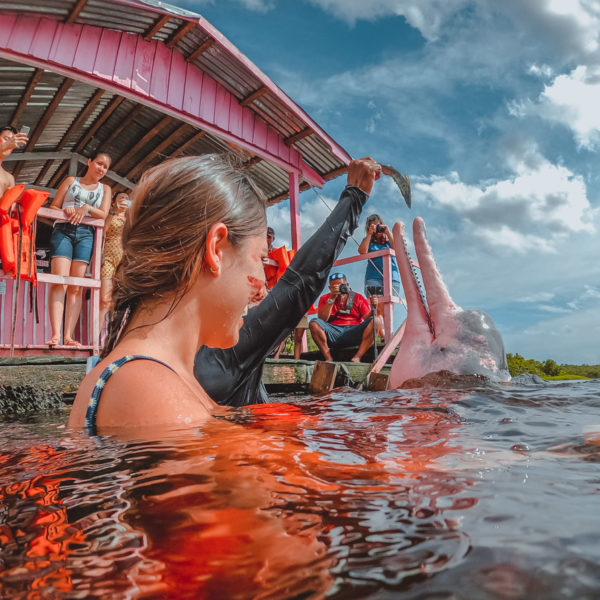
(439, 335)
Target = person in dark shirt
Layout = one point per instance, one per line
(233, 376)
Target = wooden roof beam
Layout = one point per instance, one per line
(261, 91)
(201, 49)
(164, 144)
(75, 12)
(102, 117)
(276, 199)
(83, 115)
(251, 162)
(189, 143)
(296, 137)
(157, 27)
(35, 136)
(143, 141)
(181, 32)
(26, 96)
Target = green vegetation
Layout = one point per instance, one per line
(549, 369)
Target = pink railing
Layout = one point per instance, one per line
(29, 336)
(388, 299)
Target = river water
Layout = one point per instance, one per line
(489, 493)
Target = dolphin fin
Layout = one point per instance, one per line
(402, 181)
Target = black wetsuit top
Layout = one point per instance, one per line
(233, 376)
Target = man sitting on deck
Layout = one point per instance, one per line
(343, 320)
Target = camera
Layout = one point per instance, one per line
(380, 229)
(375, 290)
(343, 289)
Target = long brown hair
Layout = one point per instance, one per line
(173, 207)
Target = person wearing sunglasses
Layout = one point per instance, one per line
(344, 320)
(234, 376)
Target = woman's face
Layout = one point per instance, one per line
(241, 279)
(98, 166)
(122, 202)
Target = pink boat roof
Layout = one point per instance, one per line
(145, 81)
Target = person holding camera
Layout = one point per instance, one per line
(344, 320)
(378, 237)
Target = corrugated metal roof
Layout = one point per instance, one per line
(130, 122)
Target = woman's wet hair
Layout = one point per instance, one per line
(173, 207)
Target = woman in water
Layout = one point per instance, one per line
(113, 250)
(193, 246)
(72, 242)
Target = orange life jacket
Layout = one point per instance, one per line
(7, 252)
(279, 259)
(17, 234)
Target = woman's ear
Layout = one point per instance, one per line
(216, 238)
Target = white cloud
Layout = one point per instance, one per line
(428, 16)
(532, 210)
(537, 297)
(571, 100)
(569, 338)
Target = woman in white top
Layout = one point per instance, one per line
(72, 242)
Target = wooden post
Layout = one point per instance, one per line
(323, 377)
(73, 164)
(95, 293)
(295, 208)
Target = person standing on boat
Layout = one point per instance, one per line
(113, 250)
(344, 320)
(378, 237)
(233, 376)
(10, 139)
(72, 243)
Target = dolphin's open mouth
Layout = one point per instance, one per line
(410, 277)
(428, 303)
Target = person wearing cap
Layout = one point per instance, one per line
(233, 376)
(344, 320)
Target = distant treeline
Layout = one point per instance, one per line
(549, 368)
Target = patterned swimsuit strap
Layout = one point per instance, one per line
(92, 409)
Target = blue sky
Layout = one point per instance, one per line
(492, 108)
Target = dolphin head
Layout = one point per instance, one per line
(439, 335)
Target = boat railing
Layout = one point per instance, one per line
(31, 333)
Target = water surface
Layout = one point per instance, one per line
(491, 493)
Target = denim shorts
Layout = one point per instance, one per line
(372, 283)
(343, 335)
(74, 242)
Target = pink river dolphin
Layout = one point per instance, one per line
(440, 335)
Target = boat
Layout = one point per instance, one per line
(143, 81)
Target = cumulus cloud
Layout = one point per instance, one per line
(573, 100)
(566, 338)
(428, 16)
(540, 204)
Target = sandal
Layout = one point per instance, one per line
(53, 341)
(73, 343)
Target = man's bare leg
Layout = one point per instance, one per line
(320, 339)
(365, 343)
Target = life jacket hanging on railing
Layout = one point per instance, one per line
(7, 249)
(17, 234)
(276, 264)
(24, 240)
